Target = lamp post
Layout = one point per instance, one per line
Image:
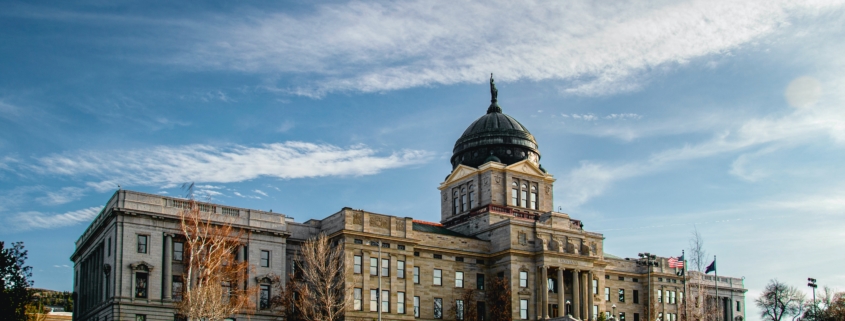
(614, 310)
(812, 284)
(568, 311)
(648, 260)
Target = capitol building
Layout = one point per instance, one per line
(497, 219)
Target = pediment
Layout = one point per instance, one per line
(526, 167)
(459, 173)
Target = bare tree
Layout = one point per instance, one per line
(779, 301)
(498, 295)
(320, 293)
(216, 285)
(467, 309)
(697, 255)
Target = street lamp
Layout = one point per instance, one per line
(568, 309)
(812, 284)
(648, 260)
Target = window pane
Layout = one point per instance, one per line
(373, 300)
(357, 303)
(417, 274)
(523, 279)
(524, 199)
(417, 306)
(515, 197)
(400, 302)
(385, 267)
(479, 281)
(357, 264)
(400, 269)
(265, 258)
(178, 249)
(385, 301)
(141, 285)
(264, 299)
(373, 266)
(459, 309)
(438, 308)
(142, 244)
(459, 279)
(438, 277)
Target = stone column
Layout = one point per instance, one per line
(545, 289)
(561, 293)
(168, 267)
(576, 289)
(590, 296)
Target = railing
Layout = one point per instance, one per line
(524, 215)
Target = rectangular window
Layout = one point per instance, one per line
(515, 197)
(635, 280)
(534, 200)
(373, 300)
(621, 295)
(595, 286)
(621, 278)
(459, 259)
(438, 277)
(140, 317)
(463, 202)
(459, 279)
(681, 295)
(385, 301)
(738, 303)
(438, 308)
(459, 309)
(142, 244)
(400, 269)
(481, 310)
(400, 302)
(659, 296)
(471, 199)
(356, 264)
(387, 245)
(109, 248)
(416, 307)
(385, 267)
(358, 241)
(607, 294)
(621, 316)
(264, 299)
(636, 297)
(265, 258)
(523, 279)
(667, 297)
(356, 305)
(141, 285)
(636, 317)
(523, 309)
(438, 256)
(479, 281)
(673, 297)
(457, 206)
(595, 312)
(479, 261)
(416, 275)
(178, 251)
(400, 247)
(373, 266)
(176, 288)
(416, 253)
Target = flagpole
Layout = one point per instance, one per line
(716, 282)
(684, 269)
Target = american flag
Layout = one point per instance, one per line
(676, 262)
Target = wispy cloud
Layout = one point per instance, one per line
(598, 49)
(62, 196)
(169, 166)
(754, 137)
(32, 220)
(258, 191)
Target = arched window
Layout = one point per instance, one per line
(455, 204)
(472, 195)
(515, 192)
(534, 196)
(463, 199)
(524, 195)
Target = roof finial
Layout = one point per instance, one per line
(494, 94)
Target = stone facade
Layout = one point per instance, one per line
(497, 220)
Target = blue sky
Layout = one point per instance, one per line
(655, 117)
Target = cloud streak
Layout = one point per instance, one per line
(597, 49)
(32, 220)
(171, 166)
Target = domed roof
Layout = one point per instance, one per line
(494, 137)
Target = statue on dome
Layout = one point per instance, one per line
(493, 91)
